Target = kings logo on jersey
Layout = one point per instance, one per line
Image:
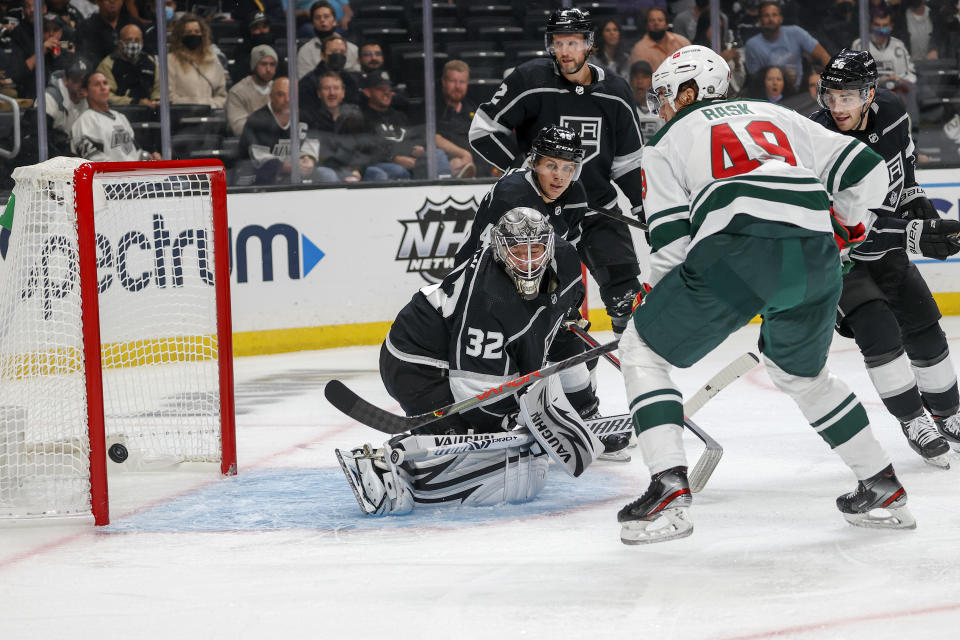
(431, 240)
(589, 129)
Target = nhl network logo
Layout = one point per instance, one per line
(431, 240)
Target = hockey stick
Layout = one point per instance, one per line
(348, 402)
(712, 453)
(442, 445)
(619, 217)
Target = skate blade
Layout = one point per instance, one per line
(672, 524)
(942, 461)
(889, 518)
(355, 482)
(616, 456)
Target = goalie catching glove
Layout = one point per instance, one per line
(915, 205)
(935, 239)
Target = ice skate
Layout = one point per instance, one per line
(660, 514)
(615, 447)
(883, 494)
(375, 485)
(949, 428)
(924, 438)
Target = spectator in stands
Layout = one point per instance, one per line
(266, 142)
(99, 34)
(641, 79)
(23, 59)
(274, 10)
(783, 46)
(403, 150)
(334, 52)
(371, 57)
(330, 112)
(324, 25)
(893, 61)
(611, 51)
(253, 92)
(685, 23)
(454, 115)
(62, 54)
(195, 76)
(132, 74)
(658, 44)
(258, 31)
(805, 102)
(918, 30)
(839, 27)
(68, 15)
(344, 13)
(101, 134)
(769, 84)
(66, 100)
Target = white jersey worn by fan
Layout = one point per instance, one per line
(781, 161)
(104, 137)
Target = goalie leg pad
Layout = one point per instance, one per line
(379, 487)
(547, 413)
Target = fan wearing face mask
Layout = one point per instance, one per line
(131, 73)
(195, 74)
(310, 54)
(658, 44)
(894, 65)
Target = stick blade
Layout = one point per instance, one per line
(355, 407)
(704, 469)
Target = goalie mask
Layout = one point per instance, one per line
(523, 242)
(563, 152)
(700, 64)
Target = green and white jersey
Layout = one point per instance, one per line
(754, 168)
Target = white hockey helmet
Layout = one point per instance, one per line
(693, 62)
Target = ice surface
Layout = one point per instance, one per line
(282, 551)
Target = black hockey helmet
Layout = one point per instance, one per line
(849, 70)
(555, 141)
(568, 21)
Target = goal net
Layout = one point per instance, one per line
(114, 329)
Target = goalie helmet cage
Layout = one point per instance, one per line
(114, 328)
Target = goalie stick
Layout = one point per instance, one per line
(712, 452)
(348, 402)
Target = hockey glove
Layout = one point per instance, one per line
(638, 299)
(935, 239)
(846, 238)
(915, 205)
(575, 317)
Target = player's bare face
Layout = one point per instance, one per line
(571, 51)
(845, 106)
(554, 176)
(98, 92)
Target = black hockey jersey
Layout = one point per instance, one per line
(887, 133)
(518, 189)
(475, 325)
(535, 95)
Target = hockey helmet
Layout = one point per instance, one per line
(555, 141)
(693, 62)
(849, 70)
(568, 21)
(523, 241)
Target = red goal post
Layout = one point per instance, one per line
(114, 329)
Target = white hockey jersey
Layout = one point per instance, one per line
(104, 137)
(750, 167)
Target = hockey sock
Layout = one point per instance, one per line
(894, 381)
(836, 415)
(655, 403)
(938, 384)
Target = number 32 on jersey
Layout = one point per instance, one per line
(729, 156)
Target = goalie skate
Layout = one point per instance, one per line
(879, 502)
(924, 438)
(375, 485)
(660, 514)
(615, 447)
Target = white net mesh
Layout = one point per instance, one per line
(155, 268)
